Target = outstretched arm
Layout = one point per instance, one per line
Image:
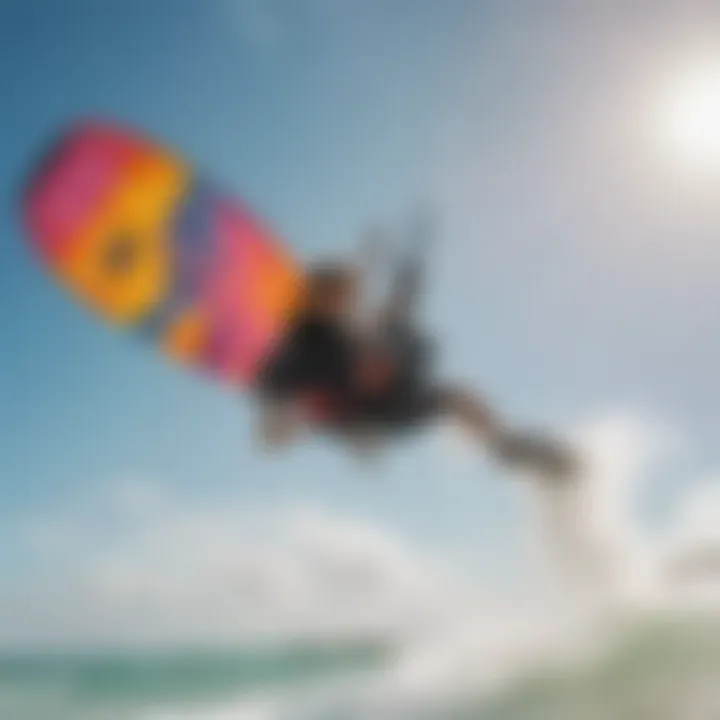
(370, 262)
(408, 280)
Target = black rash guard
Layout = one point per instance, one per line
(316, 363)
(316, 356)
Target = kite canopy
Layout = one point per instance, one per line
(132, 231)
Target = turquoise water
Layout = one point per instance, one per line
(124, 685)
(660, 671)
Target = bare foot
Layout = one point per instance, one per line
(537, 453)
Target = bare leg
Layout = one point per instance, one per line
(473, 414)
(535, 452)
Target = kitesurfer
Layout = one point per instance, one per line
(360, 384)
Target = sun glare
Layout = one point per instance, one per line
(692, 116)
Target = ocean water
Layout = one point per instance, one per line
(147, 684)
(652, 670)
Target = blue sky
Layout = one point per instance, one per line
(579, 262)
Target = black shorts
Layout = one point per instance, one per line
(403, 407)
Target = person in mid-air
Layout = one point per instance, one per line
(366, 383)
(308, 378)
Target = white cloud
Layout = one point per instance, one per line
(145, 567)
(689, 551)
(697, 521)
